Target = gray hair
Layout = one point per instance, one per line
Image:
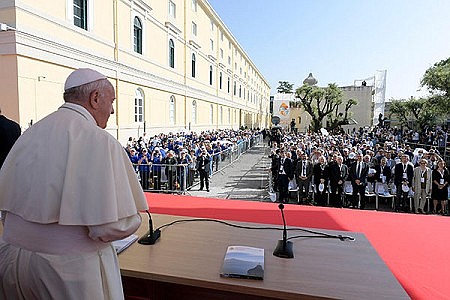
(80, 94)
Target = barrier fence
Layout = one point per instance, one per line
(444, 151)
(179, 178)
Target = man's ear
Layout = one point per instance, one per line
(94, 99)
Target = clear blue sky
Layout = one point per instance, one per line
(341, 41)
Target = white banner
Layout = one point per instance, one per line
(379, 96)
(281, 107)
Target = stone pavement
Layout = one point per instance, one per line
(245, 179)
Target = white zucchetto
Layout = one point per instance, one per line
(82, 76)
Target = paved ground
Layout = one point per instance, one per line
(246, 179)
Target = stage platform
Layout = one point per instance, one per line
(185, 264)
(413, 246)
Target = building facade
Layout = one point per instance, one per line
(174, 64)
(361, 114)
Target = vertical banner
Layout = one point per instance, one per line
(281, 108)
(379, 96)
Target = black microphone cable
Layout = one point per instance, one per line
(318, 233)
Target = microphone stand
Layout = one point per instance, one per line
(151, 236)
(284, 247)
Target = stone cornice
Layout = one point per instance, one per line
(172, 27)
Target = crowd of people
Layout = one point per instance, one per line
(363, 162)
(54, 218)
(430, 136)
(58, 222)
(179, 157)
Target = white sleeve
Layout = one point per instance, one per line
(116, 230)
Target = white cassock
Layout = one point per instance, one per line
(67, 190)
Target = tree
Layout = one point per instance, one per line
(321, 103)
(285, 87)
(339, 118)
(437, 80)
(420, 113)
(399, 109)
(415, 113)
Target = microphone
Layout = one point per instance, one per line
(151, 236)
(284, 247)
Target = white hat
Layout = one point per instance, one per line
(82, 76)
(321, 187)
(405, 188)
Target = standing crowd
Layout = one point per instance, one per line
(342, 170)
(172, 161)
(66, 201)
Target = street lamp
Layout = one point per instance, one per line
(310, 80)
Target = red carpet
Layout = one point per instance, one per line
(414, 247)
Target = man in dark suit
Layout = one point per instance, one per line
(358, 177)
(275, 166)
(285, 174)
(345, 154)
(383, 172)
(303, 172)
(9, 133)
(338, 175)
(403, 178)
(203, 161)
(321, 176)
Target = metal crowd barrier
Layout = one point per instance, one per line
(444, 151)
(164, 177)
(182, 177)
(225, 158)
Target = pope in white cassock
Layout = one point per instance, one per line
(67, 190)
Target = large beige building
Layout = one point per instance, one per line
(174, 64)
(361, 114)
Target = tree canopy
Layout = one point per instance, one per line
(339, 118)
(420, 113)
(414, 113)
(323, 103)
(285, 87)
(437, 81)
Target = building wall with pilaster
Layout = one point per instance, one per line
(42, 46)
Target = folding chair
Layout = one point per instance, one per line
(348, 192)
(382, 190)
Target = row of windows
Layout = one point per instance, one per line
(139, 110)
(194, 32)
(211, 114)
(80, 9)
(138, 49)
(193, 74)
(80, 16)
(80, 12)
